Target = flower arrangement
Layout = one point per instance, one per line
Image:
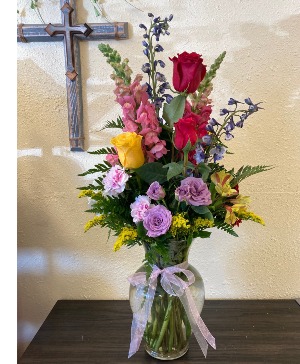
(163, 178)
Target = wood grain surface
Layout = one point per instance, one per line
(246, 331)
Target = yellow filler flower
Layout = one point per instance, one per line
(180, 225)
(127, 233)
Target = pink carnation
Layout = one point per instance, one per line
(139, 207)
(115, 181)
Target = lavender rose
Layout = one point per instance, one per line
(194, 191)
(156, 191)
(157, 221)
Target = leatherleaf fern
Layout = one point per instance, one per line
(225, 227)
(247, 171)
(116, 214)
(112, 124)
(101, 167)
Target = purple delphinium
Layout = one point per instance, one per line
(218, 152)
(159, 26)
(194, 192)
(157, 221)
(156, 191)
(199, 155)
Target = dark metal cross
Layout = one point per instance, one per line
(70, 33)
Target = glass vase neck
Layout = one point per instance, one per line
(176, 253)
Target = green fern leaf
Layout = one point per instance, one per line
(247, 171)
(111, 124)
(90, 187)
(106, 150)
(226, 227)
(101, 167)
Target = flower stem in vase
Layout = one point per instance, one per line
(171, 336)
(165, 324)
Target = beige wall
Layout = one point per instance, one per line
(56, 260)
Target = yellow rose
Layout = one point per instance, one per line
(129, 147)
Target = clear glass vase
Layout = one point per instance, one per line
(168, 329)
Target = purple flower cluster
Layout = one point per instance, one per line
(158, 27)
(194, 192)
(218, 152)
(234, 118)
(157, 221)
(156, 191)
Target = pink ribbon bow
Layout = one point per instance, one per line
(174, 286)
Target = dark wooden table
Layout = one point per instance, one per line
(246, 331)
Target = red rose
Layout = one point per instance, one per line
(185, 130)
(188, 71)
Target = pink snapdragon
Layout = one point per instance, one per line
(139, 116)
(146, 116)
(139, 91)
(158, 150)
(115, 181)
(112, 159)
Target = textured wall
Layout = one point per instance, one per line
(56, 260)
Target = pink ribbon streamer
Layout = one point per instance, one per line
(174, 286)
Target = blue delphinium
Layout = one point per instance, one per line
(218, 152)
(157, 81)
(199, 155)
(232, 119)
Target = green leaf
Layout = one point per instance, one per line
(201, 210)
(114, 124)
(190, 239)
(141, 231)
(107, 150)
(174, 169)
(101, 167)
(212, 190)
(204, 170)
(203, 234)
(208, 215)
(152, 172)
(226, 227)
(187, 147)
(247, 171)
(174, 110)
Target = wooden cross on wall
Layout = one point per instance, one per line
(70, 33)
